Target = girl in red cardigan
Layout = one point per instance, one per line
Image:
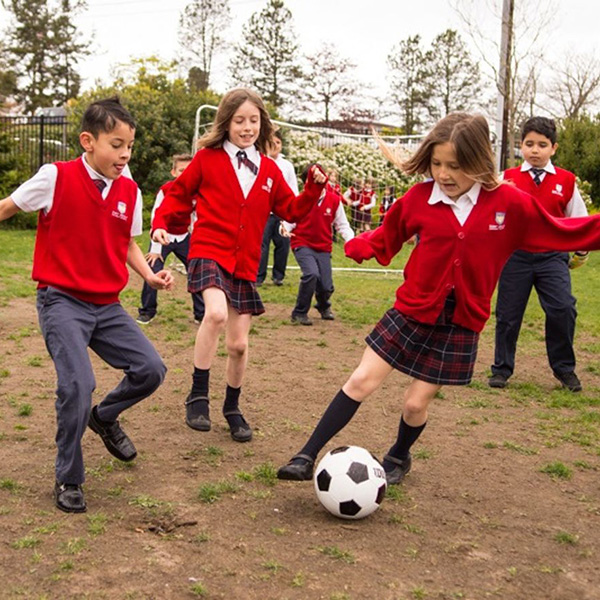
(468, 225)
(236, 188)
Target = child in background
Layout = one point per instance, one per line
(88, 215)
(548, 272)
(368, 199)
(333, 183)
(281, 243)
(387, 200)
(468, 224)
(179, 244)
(352, 199)
(312, 246)
(237, 187)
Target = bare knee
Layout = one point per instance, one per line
(414, 409)
(215, 319)
(237, 348)
(360, 384)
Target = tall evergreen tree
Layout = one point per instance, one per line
(266, 59)
(43, 49)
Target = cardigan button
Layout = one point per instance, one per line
(461, 235)
(457, 262)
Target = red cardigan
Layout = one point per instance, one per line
(229, 227)
(467, 258)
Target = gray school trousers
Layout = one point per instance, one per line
(69, 327)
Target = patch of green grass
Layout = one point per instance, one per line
(211, 492)
(201, 538)
(396, 493)
(244, 476)
(266, 473)
(557, 470)
(35, 361)
(29, 541)
(10, 485)
(490, 445)
(562, 537)
(583, 465)
(337, 554)
(298, 580)
(74, 546)
(46, 529)
(520, 449)
(422, 454)
(198, 589)
(272, 565)
(25, 410)
(97, 524)
(4, 373)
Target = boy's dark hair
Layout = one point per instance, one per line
(307, 168)
(102, 116)
(542, 125)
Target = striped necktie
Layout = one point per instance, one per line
(244, 160)
(537, 173)
(100, 184)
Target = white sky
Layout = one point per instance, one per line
(363, 30)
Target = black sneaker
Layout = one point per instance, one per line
(301, 320)
(278, 282)
(327, 315)
(68, 497)
(114, 438)
(144, 319)
(399, 471)
(300, 468)
(498, 381)
(569, 381)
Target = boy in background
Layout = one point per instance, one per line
(88, 215)
(548, 272)
(179, 245)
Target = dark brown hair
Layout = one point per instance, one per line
(102, 116)
(470, 135)
(229, 104)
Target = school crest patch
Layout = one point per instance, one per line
(122, 207)
(558, 190)
(268, 186)
(499, 219)
(121, 212)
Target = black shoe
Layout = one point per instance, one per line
(69, 497)
(301, 319)
(144, 319)
(278, 282)
(300, 468)
(498, 381)
(569, 381)
(196, 414)
(114, 438)
(400, 470)
(327, 315)
(238, 427)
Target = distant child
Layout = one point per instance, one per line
(88, 215)
(368, 200)
(179, 244)
(468, 224)
(352, 198)
(312, 245)
(237, 187)
(387, 200)
(281, 243)
(333, 184)
(556, 190)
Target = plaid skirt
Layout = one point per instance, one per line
(443, 353)
(242, 294)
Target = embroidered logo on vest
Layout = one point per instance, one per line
(268, 186)
(499, 225)
(121, 210)
(558, 190)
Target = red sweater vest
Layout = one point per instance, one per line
(314, 231)
(554, 193)
(467, 258)
(82, 243)
(229, 227)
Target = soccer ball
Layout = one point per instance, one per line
(350, 482)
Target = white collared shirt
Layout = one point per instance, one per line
(245, 176)
(37, 193)
(461, 207)
(576, 206)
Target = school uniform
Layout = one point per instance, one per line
(352, 198)
(547, 272)
(271, 233)
(232, 207)
(367, 201)
(451, 274)
(386, 203)
(179, 244)
(79, 263)
(312, 246)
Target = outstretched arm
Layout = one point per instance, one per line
(8, 208)
(163, 280)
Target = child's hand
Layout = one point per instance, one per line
(161, 236)
(578, 259)
(318, 175)
(358, 250)
(163, 280)
(283, 232)
(151, 258)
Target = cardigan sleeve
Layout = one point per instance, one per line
(292, 208)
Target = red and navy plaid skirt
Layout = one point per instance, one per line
(242, 294)
(443, 353)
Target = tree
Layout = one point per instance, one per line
(329, 79)
(410, 87)
(454, 76)
(43, 49)
(201, 34)
(266, 60)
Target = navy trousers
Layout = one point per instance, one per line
(70, 327)
(280, 255)
(317, 280)
(150, 295)
(548, 273)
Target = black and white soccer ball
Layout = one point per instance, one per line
(350, 482)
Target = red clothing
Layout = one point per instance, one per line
(554, 193)
(314, 231)
(229, 228)
(467, 258)
(82, 243)
(177, 227)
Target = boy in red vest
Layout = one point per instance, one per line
(311, 242)
(548, 272)
(179, 244)
(88, 215)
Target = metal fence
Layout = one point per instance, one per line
(34, 140)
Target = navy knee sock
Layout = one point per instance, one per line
(407, 436)
(200, 380)
(232, 397)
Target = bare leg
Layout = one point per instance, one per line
(214, 322)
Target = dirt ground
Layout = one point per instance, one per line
(475, 519)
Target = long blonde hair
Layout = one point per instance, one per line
(229, 104)
(470, 135)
